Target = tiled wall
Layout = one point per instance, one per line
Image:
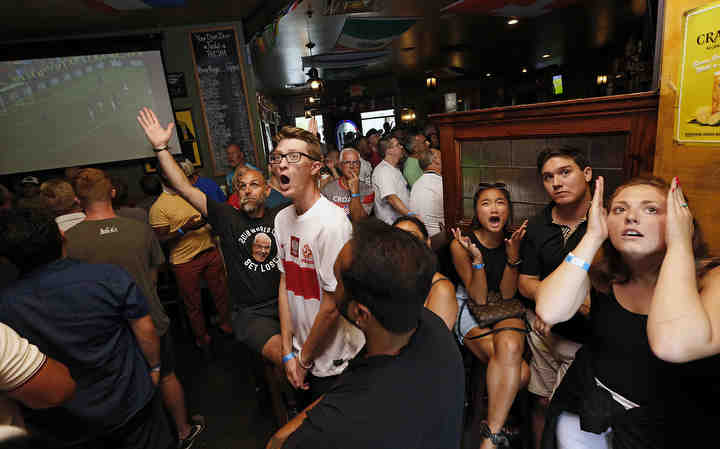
(512, 161)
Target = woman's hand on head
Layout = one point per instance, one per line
(679, 227)
(597, 215)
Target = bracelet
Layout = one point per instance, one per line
(478, 266)
(514, 264)
(155, 369)
(181, 231)
(300, 361)
(409, 214)
(356, 195)
(157, 150)
(287, 357)
(578, 262)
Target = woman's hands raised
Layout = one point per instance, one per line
(679, 227)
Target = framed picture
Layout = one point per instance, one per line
(187, 136)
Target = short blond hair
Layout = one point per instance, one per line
(314, 147)
(93, 185)
(59, 196)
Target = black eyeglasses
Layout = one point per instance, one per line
(292, 157)
(487, 185)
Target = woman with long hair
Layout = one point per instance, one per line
(655, 300)
(487, 261)
(441, 299)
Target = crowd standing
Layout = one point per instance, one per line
(330, 268)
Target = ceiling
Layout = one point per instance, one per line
(466, 44)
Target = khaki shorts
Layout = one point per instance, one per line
(551, 358)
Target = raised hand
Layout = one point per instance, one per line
(155, 133)
(679, 227)
(597, 215)
(512, 245)
(469, 246)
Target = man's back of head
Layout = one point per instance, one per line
(391, 273)
(59, 196)
(29, 238)
(93, 186)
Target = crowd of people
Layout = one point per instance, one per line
(337, 268)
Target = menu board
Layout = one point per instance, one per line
(220, 77)
(697, 120)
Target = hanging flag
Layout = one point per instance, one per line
(129, 5)
(506, 8)
(372, 33)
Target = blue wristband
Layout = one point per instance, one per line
(356, 195)
(478, 266)
(409, 214)
(286, 358)
(181, 231)
(578, 262)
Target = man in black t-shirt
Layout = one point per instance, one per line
(551, 235)
(406, 390)
(253, 283)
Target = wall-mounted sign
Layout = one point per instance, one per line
(176, 84)
(697, 120)
(450, 102)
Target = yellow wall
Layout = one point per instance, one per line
(698, 167)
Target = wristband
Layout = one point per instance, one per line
(478, 266)
(356, 195)
(287, 357)
(155, 369)
(578, 262)
(181, 231)
(409, 214)
(157, 150)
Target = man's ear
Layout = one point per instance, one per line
(113, 193)
(315, 168)
(363, 315)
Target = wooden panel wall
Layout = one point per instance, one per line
(634, 115)
(698, 167)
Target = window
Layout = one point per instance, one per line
(302, 122)
(377, 119)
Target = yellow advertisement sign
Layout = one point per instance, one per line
(697, 120)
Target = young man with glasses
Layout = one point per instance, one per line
(350, 193)
(316, 342)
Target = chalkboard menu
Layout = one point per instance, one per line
(220, 76)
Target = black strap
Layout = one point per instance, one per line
(438, 280)
(525, 330)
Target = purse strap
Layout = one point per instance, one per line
(525, 330)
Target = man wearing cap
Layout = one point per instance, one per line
(30, 194)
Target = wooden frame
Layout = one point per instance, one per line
(634, 114)
(218, 171)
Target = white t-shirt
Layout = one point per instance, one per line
(426, 200)
(388, 180)
(19, 362)
(308, 246)
(365, 172)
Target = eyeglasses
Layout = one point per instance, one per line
(292, 158)
(351, 163)
(487, 185)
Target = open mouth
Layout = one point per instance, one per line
(494, 220)
(284, 180)
(631, 233)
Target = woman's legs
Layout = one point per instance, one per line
(506, 372)
(571, 436)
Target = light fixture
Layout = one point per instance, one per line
(524, 70)
(312, 100)
(431, 82)
(408, 115)
(546, 55)
(601, 79)
(488, 74)
(314, 80)
(513, 21)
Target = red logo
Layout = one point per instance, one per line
(307, 255)
(294, 246)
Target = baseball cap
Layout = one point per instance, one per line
(30, 180)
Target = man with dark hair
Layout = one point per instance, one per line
(416, 145)
(120, 201)
(551, 235)
(383, 399)
(392, 196)
(373, 136)
(105, 237)
(426, 195)
(62, 203)
(247, 239)
(94, 319)
(152, 188)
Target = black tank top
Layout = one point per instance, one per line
(625, 363)
(494, 259)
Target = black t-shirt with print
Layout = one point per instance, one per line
(250, 251)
